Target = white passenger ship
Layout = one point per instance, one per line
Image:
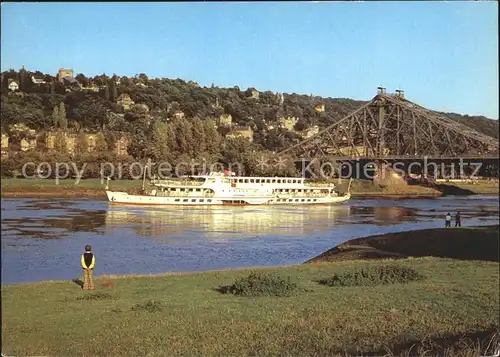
(225, 189)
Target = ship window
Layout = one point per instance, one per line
(202, 200)
(181, 189)
(296, 200)
(193, 200)
(274, 181)
(185, 200)
(279, 181)
(177, 200)
(246, 180)
(251, 181)
(302, 200)
(314, 200)
(198, 190)
(209, 200)
(268, 181)
(290, 200)
(288, 181)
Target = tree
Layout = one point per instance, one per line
(114, 93)
(163, 143)
(82, 79)
(124, 81)
(22, 80)
(81, 144)
(213, 138)
(198, 132)
(184, 136)
(144, 78)
(106, 92)
(55, 116)
(63, 121)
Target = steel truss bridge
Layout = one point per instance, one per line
(390, 127)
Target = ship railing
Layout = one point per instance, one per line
(313, 184)
(298, 195)
(185, 194)
(177, 183)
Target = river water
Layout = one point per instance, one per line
(42, 239)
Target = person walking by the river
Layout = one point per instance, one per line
(447, 220)
(88, 263)
(458, 221)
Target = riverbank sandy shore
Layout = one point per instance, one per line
(472, 243)
(452, 310)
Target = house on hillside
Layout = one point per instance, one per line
(121, 144)
(178, 114)
(225, 120)
(125, 101)
(71, 84)
(320, 108)
(13, 86)
(280, 98)
(288, 123)
(252, 93)
(307, 133)
(37, 80)
(28, 144)
(5, 144)
(242, 132)
(72, 139)
(64, 73)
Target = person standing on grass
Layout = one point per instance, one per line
(458, 222)
(447, 220)
(88, 263)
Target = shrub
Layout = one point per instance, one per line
(149, 306)
(261, 284)
(374, 275)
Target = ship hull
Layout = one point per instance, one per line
(127, 199)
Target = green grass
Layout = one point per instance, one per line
(184, 314)
(87, 187)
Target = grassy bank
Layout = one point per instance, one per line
(184, 314)
(94, 188)
(64, 188)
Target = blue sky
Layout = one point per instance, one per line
(444, 55)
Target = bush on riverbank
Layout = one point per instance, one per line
(151, 305)
(261, 284)
(374, 275)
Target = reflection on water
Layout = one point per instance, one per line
(43, 238)
(223, 223)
